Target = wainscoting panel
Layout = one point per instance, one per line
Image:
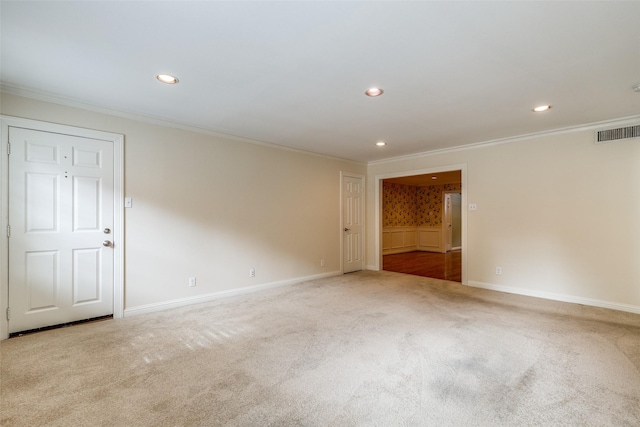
(410, 239)
(430, 239)
(386, 241)
(396, 240)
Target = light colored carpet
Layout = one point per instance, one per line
(364, 349)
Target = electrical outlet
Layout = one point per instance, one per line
(192, 282)
(252, 272)
(499, 271)
(321, 263)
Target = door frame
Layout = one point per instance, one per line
(118, 206)
(362, 217)
(377, 246)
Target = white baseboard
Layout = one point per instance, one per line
(372, 267)
(557, 297)
(181, 302)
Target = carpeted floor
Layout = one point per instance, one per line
(364, 349)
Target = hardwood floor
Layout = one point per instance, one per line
(427, 264)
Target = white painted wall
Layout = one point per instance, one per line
(558, 213)
(212, 208)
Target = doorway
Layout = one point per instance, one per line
(62, 189)
(421, 223)
(453, 221)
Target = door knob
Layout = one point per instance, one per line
(347, 229)
(107, 243)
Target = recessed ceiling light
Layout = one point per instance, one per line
(381, 143)
(167, 78)
(541, 108)
(373, 91)
(636, 88)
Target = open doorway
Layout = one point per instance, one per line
(421, 223)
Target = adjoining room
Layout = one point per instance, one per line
(422, 225)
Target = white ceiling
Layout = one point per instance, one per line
(294, 73)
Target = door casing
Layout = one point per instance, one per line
(118, 222)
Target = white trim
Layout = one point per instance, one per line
(118, 221)
(620, 122)
(557, 297)
(118, 206)
(377, 243)
(4, 221)
(181, 302)
(154, 120)
(69, 102)
(363, 248)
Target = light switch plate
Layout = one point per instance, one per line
(127, 202)
(473, 207)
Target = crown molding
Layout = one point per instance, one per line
(154, 120)
(158, 121)
(619, 122)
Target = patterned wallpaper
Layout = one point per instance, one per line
(429, 204)
(406, 205)
(398, 205)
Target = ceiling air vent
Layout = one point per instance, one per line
(612, 135)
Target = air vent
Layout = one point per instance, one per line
(612, 135)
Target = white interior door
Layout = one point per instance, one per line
(352, 219)
(61, 217)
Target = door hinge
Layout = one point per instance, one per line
(8, 312)
(8, 231)
(8, 148)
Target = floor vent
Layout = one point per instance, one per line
(612, 135)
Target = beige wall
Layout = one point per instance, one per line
(559, 214)
(212, 208)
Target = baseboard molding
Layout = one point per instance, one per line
(399, 251)
(181, 302)
(557, 297)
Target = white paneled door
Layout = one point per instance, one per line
(352, 219)
(61, 220)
